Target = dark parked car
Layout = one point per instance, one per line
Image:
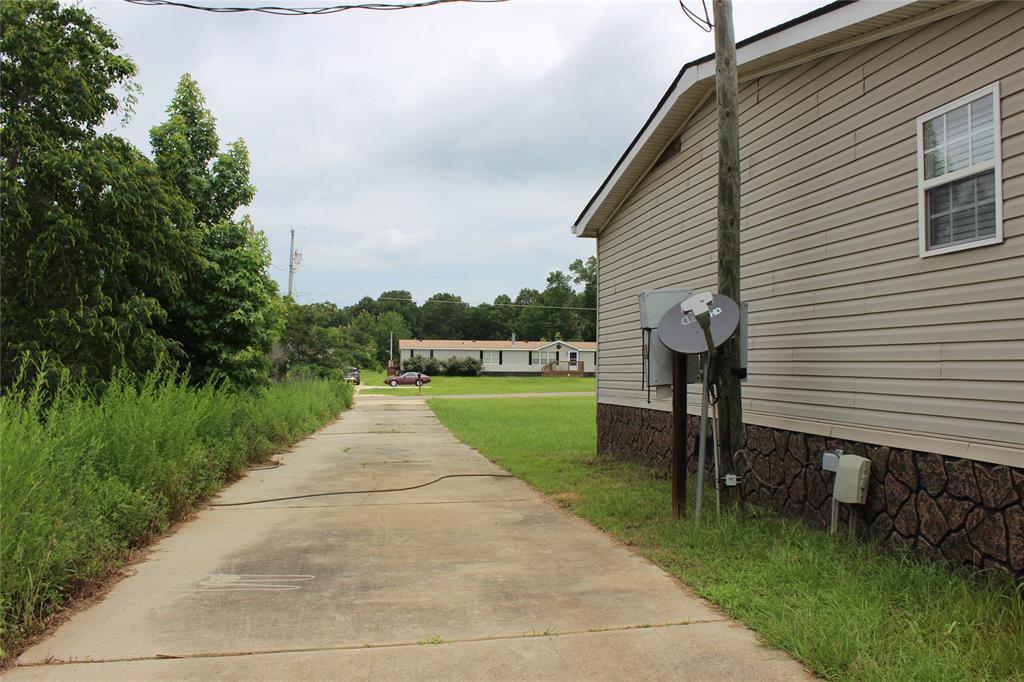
(353, 375)
(408, 378)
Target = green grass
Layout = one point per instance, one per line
(86, 481)
(846, 610)
(441, 385)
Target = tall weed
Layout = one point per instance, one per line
(84, 480)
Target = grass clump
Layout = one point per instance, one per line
(846, 610)
(84, 480)
(442, 385)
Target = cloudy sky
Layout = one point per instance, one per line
(438, 149)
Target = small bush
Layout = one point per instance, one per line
(85, 480)
(461, 367)
(452, 367)
(425, 365)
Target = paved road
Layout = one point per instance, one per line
(469, 578)
(471, 396)
(556, 394)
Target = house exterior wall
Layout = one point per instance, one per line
(513, 361)
(850, 330)
(854, 339)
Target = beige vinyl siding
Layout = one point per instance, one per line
(848, 326)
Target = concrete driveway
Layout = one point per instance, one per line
(469, 578)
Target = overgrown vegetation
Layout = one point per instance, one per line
(846, 610)
(85, 481)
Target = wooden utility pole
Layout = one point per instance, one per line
(679, 439)
(291, 267)
(730, 410)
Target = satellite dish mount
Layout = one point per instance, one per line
(698, 325)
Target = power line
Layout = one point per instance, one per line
(703, 24)
(426, 239)
(303, 11)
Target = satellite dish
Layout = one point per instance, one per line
(680, 331)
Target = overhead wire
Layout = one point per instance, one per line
(366, 233)
(304, 11)
(703, 24)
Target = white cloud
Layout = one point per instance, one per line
(464, 139)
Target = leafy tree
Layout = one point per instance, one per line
(443, 316)
(228, 316)
(585, 275)
(480, 323)
(407, 308)
(309, 341)
(186, 150)
(531, 324)
(390, 325)
(366, 343)
(92, 241)
(503, 317)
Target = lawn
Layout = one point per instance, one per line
(440, 385)
(841, 607)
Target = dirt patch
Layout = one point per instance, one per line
(568, 500)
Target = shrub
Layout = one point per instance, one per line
(425, 365)
(461, 367)
(85, 480)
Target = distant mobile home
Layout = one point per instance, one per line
(510, 357)
(882, 240)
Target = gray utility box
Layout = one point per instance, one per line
(851, 485)
(653, 306)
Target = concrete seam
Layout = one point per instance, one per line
(387, 645)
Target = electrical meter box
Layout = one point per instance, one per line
(658, 361)
(851, 486)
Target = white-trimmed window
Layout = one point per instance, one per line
(421, 352)
(490, 357)
(959, 173)
(543, 357)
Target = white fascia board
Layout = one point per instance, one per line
(835, 20)
(564, 343)
(686, 81)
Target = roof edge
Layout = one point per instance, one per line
(821, 21)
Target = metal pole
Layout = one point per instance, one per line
(291, 267)
(702, 446)
(391, 349)
(726, 91)
(679, 427)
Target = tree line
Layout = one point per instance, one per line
(324, 335)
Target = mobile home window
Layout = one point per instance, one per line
(959, 174)
(421, 352)
(545, 356)
(490, 357)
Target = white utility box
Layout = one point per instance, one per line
(852, 477)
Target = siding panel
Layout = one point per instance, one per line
(848, 326)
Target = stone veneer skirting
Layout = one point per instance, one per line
(945, 508)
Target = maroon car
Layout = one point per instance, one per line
(408, 378)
